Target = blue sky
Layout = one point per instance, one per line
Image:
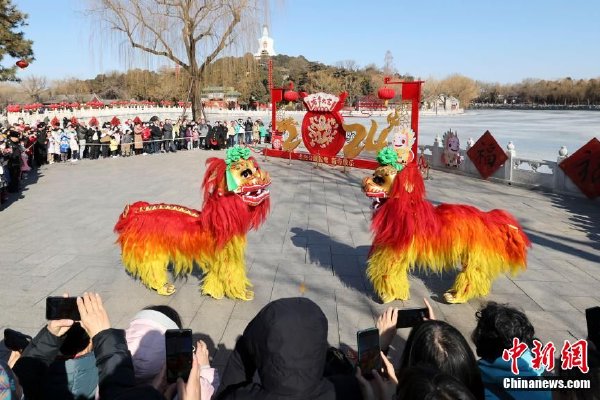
(488, 40)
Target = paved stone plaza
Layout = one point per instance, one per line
(57, 237)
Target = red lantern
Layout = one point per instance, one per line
(22, 64)
(93, 122)
(290, 96)
(55, 122)
(386, 93)
(115, 121)
(302, 94)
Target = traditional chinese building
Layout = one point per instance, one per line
(220, 97)
(441, 103)
(369, 103)
(265, 45)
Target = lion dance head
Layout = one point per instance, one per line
(236, 191)
(393, 180)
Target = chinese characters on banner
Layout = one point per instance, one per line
(487, 155)
(572, 355)
(333, 161)
(583, 168)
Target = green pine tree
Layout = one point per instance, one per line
(12, 41)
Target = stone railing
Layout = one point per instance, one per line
(102, 114)
(546, 175)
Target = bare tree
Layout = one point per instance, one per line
(461, 87)
(350, 65)
(34, 86)
(190, 33)
(388, 64)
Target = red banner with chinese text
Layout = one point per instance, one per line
(487, 155)
(333, 161)
(583, 168)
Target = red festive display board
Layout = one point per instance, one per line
(487, 155)
(333, 161)
(322, 131)
(583, 167)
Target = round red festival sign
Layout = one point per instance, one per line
(322, 131)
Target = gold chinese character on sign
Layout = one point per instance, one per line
(366, 142)
(293, 140)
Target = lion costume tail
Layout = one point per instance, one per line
(511, 241)
(153, 235)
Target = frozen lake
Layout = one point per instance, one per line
(535, 134)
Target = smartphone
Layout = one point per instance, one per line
(411, 317)
(62, 308)
(179, 350)
(592, 316)
(15, 341)
(369, 354)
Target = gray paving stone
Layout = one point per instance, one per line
(314, 244)
(543, 295)
(583, 302)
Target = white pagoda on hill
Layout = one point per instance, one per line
(265, 45)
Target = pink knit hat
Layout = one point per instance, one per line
(146, 342)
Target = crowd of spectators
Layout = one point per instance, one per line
(282, 354)
(24, 146)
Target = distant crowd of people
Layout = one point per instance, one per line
(283, 353)
(24, 146)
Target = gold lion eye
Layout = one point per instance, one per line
(246, 173)
(378, 180)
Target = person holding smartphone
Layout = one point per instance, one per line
(146, 342)
(38, 355)
(115, 366)
(387, 323)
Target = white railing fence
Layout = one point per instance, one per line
(517, 171)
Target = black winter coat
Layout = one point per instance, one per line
(286, 343)
(14, 158)
(116, 379)
(33, 365)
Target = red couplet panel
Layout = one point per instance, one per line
(487, 155)
(583, 168)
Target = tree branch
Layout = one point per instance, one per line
(222, 43)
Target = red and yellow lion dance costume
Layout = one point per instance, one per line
(152, 236)
(411, 233)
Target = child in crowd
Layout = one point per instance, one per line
(114, 145)
(126, 143)
(64, 146)
(74, 144)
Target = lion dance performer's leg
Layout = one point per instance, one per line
(225, 272)
(471, 282)
(486, 257)
(388, 271)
